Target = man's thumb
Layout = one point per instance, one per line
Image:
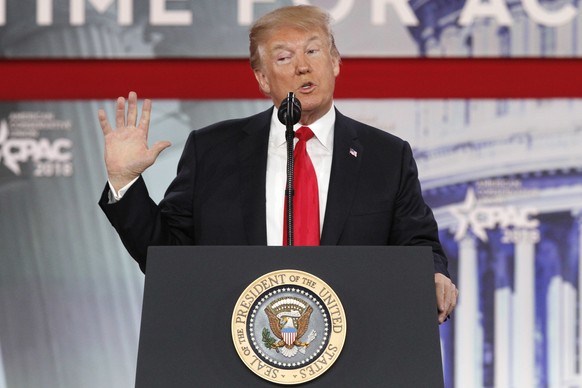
(159, 146)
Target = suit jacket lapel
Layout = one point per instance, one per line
(347, 156)
(252, 152)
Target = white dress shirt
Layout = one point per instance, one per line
(319, 148)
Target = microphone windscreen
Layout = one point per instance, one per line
(290, 107)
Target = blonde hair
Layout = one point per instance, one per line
(305, 17)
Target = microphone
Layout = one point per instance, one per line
(289, 112)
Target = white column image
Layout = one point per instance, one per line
(468, 330)
(524, 316)
(503, 319)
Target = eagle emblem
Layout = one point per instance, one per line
(289, 322)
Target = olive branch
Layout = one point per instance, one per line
(268, 340)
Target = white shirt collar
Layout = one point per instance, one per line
(322, 129)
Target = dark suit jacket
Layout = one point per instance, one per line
(218, 196)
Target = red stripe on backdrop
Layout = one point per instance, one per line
(233, 79)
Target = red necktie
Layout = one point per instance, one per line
(306, 198)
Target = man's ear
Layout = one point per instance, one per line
(336, 65)
(263, 81)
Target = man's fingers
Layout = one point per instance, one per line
(446, 295)
(453, 293)
(451, 296)
(130, 120)
(131, 109)
(144, 120)
(444, 307)
(440, 290)
(442, 317)
(120, 112)
(103, 122)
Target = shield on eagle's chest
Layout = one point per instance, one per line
(289, 335)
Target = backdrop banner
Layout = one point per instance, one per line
(503, 177)
(207, 28)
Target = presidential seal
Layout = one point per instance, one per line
(288, 327)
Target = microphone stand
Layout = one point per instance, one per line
(290, 191)
(289, 114)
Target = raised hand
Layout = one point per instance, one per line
(126, 148)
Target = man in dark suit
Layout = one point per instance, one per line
(230, 182)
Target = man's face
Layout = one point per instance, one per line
(298, 61)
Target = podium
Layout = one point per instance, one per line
(387, 294)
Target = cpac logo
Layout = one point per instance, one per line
(516, 222)
(50, 158)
